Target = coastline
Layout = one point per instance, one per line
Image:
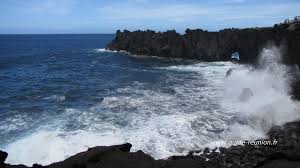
(283, 154)
(203, 45)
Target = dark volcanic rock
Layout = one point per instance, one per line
(281, 163)
(3, 156)
(111, 156)
(285, 154)
(229, 72)
(211, 46)
(296, 88)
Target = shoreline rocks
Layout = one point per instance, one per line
(285, 154)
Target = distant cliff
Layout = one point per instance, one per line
(211, 46)
(215, 46)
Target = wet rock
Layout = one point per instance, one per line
(99, 99)
(206, 150)
(293, 154)
(37, 166)
(222, 150)
(229, 72)
(245, 95)
(104, 156)
(72, 95)
(296, 88)
(125, 148)
(281, 163)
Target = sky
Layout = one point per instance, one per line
(107, 16)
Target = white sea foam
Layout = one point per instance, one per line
(56, 97)
(15, 122)
(202, 107)
(47, 146)
(103, 50)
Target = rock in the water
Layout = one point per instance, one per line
(229, 72)
(245, 95)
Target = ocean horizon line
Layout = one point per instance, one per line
(2, 34)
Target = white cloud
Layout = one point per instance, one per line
(264, 12)
(166, 12)
(188, 12)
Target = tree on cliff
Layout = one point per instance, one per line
(295, 20)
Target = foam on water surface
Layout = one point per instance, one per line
(99, 50)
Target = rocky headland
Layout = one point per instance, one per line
(211, 46)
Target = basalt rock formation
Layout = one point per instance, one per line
(211, 46)
(283, 154)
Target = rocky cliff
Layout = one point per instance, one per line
(215, 46)
(285, 154)
(211, 46)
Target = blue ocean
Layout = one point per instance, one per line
(61, 94)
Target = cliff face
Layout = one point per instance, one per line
(211, 46)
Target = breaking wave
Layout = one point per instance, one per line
(100, 50)
(270, 104)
